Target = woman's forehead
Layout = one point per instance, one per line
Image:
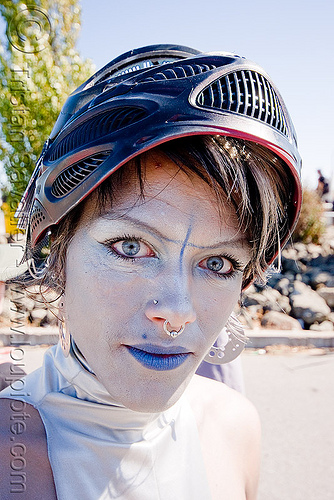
(163, 181)
(173, 204)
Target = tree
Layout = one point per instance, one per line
(39, 67)
(310, 226)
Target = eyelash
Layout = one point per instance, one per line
(109, 244)
(236, 264)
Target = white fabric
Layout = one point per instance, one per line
(101, 451)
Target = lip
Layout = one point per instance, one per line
(159, 358)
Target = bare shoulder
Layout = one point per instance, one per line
(224, 403)
(229, 429)
(23, 452)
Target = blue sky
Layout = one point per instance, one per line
(292, 39)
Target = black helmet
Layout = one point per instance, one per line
(144, 98)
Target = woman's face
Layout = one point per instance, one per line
(170, 256)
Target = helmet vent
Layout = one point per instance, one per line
(99, 126)
(37, 217)
(181, 71)
(248, 93)
(70, 178)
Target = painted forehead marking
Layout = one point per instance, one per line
(184, 244)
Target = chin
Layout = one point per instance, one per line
(154, 400)
(152, 406)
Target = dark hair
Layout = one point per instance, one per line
(245, 174)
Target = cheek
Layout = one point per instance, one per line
(215, 307)
(99, 298)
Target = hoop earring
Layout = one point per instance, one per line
(172, 333)
(64, 335)
(65, 338)
(233, 348)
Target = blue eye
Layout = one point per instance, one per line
(130, 247)
(218, 265)
(215, 264)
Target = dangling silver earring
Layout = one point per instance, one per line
(64, 334)
(235, 345)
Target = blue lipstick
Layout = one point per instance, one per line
(158, 360)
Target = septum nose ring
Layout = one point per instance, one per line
(172, 333)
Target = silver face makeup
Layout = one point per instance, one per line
(173, 246)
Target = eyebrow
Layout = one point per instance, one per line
(235, 243)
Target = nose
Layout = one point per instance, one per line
(172, 303)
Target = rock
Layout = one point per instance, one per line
(307, 305)
(301, 250)
(274, 279)
(327, 293)
(279, 321)
(314, 250)
(322, 278)
(325, 326)
(310, 274)
(276, 301)
(318, 261)
(290, 276)
(290, 253)
(324, 261)
(254, 299)
(38, 316)
(284, 287)
(251, 289)
(252, 314)
(317, 276)
(51, 318)
(29, 303)
(291, 265)
(284, 304)
(269, 300)
(259, 287)
(24, 303)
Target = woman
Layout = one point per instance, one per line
(150, 262)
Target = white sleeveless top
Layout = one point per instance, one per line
(100, 451)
